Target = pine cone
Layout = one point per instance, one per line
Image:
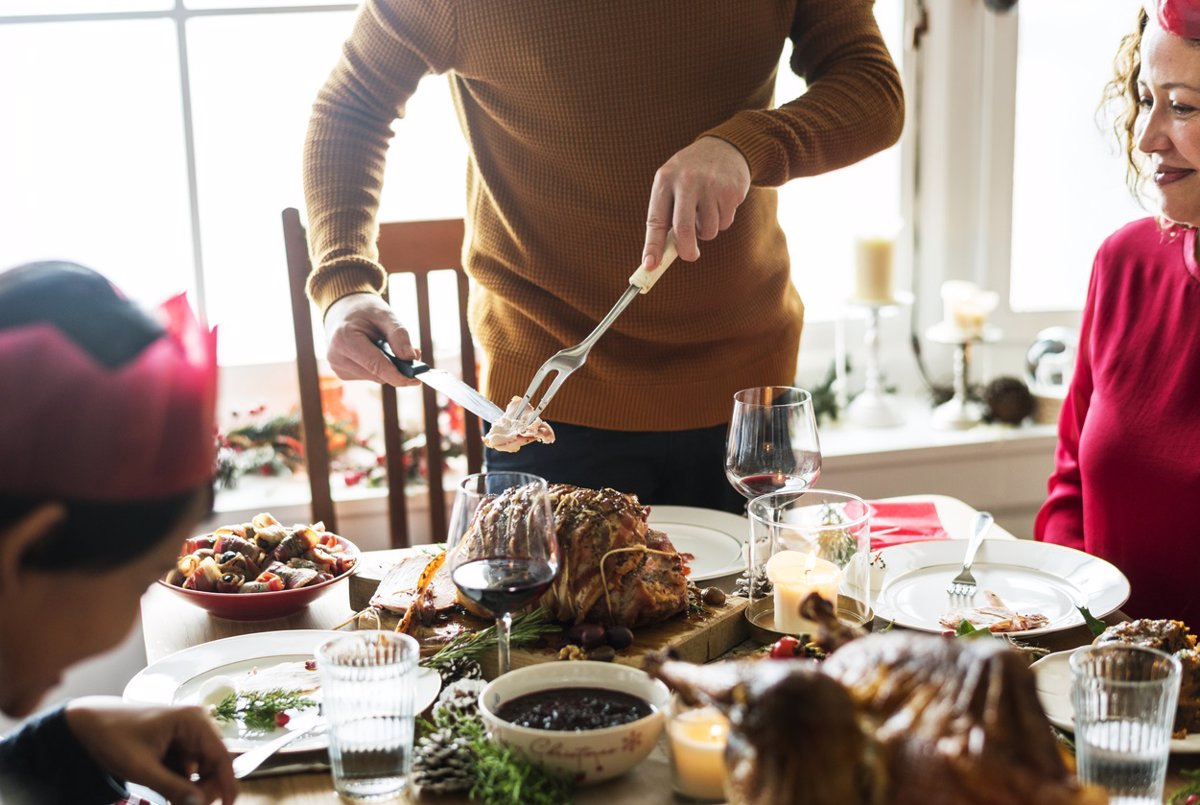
(459, 699)
(762, 584)
(462, 668)
(442, 763)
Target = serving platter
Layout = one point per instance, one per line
(181, 678)
(1053, 673)
(1030, 577)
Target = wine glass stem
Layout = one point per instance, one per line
(503, 631)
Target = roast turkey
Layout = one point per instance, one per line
(897, 718)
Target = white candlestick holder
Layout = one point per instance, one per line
(960, 412)
(874, 407)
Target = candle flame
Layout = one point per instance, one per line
(810, 564)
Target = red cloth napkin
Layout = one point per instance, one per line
(898, 522)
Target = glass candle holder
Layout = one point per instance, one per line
(696, 737)
(817, 541)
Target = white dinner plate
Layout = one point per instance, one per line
(1029, 577)
(178, 678)
(714, 538)
(1053, 674)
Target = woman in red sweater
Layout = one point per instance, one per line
(1126, 485)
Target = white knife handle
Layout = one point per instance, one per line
(645, 279)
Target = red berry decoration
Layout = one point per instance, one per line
(785, 648)
(281, 719)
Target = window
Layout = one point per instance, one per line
(823, 215)
(167, 161)
(1068, 172)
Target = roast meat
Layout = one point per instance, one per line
(898, 718)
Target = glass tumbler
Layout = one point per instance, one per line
(367, 682)
(1124, 699)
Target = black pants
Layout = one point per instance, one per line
(667, 468)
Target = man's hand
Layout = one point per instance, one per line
(351, 325)
(158, 747)
(696, 193)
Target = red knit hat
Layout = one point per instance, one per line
(1179, 17)
(73, 428)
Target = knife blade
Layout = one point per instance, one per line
(444, 382)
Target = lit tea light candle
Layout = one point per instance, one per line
(794, 575)
(873, 269)
(697, 742)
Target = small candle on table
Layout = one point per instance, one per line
(697, 738)
(794, 575)
(873, 269)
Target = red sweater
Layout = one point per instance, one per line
(1126, 484)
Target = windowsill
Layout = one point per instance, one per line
(841, 440)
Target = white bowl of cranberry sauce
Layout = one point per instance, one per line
(587, 721)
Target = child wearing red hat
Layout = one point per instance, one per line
(106, 459)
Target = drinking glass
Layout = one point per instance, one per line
(503, 552)
(1124, 699)
(772, 443)
(367, 683)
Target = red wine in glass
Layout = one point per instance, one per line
(772, 443)
(502, 585)
(502, 549)
(751, 486)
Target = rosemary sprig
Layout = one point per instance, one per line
(527, 628)
(260, 710)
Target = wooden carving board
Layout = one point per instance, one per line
(695, 639)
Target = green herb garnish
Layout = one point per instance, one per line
(259, 711)
(1094, 624)
(966, 629)
(527, 628)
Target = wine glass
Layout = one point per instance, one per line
(772, 443)
(502, 548)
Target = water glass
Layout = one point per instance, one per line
(1124, 699)
(367, 680)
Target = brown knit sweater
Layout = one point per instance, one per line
(569, 107)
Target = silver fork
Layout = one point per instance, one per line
(566, 361)
(963, 585)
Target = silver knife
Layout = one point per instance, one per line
(444, 382)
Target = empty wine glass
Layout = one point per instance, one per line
(772, 443)
(502, 548)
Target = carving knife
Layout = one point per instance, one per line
(444, 382)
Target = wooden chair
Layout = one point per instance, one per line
(417, 248)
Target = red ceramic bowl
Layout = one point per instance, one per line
(264, 606)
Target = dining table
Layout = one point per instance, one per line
(170, 624)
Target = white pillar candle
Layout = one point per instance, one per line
(873, 269)
(794, 575)
(697, 741)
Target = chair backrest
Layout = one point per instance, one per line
(417, 248)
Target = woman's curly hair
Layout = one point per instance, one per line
(1121, 97)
